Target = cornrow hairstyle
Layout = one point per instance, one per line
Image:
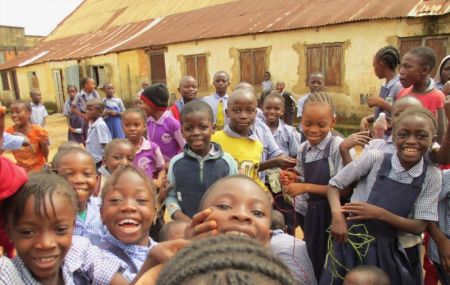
(123, 170)
(320, 98)
(420, 112)
(115, 142)
(40, 186)
(272, 94)
(70, 150)
(136, 111)
(220, 181)
(197, 106)
(390, 56)
(373, 275)
(427, 56)
(225, 259)
(25, 103)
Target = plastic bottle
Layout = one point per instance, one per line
(380, 126)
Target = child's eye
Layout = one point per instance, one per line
(258, 213)
(62, 230)
(236, 111)
(142, 200)
(422, 136)
(401, 135)
(26, 233)
(322, 125)
(115, 201)
(223, 206)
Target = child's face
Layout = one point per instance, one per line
(221, 83)
(128, 209)
(242, 112)
(197, 129)
(413, 137)
(109, 90)
(316, 83)
(188, 89)
(378, 67)
(133, 126)
(240, 207)
(149, 111)
(273, 109)
(42, 241)
(79, 170)
(266, 76)
(20, 115)
(317, 122)
(89, 86)
(92, 112)
(411, 70)
(36, 97)
(279, 87)
(445, 71)
(120, 154)
(72, 93)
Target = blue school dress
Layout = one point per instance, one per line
(318, 216)
(114, 123)
(385, 251)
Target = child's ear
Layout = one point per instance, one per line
(333, 121)
(426, 70)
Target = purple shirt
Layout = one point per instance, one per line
(166, 133)
(149, 158)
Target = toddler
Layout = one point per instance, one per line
(113, 111)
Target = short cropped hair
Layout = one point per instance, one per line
(199, 107)
(427, 56)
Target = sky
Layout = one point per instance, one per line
(38, 17)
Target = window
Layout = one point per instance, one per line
(439, 45)
(33, 80)
(158, 68)
(2, 56)
(253, 65)
(5, 82)
(327, 59)
(98, 73)
(196, 67)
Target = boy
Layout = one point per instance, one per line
(98, 134)
(38, 112)
(316, 83)
(219, 100)
(415, 70)
(267, 84)
(200, 165)
(238, 138)
(87, 93)
(188, 90)
(289, 103)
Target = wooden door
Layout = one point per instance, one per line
(59, 89)
(158, 68)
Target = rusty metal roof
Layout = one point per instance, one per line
(242, 17)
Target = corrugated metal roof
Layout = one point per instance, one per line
(229, 19)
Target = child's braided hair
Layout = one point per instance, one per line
(419, 112)
(390, 56)
(320, 98)
(225, 259)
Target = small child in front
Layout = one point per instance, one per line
(98, 134)
(201, 164)
(38, 112)
(395, 192)
(113, 112)
(128, 211)
(78, 168)
(366, 275)
(162, 128)
(33, 157)
(188, 90)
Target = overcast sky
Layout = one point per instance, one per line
(38, 17)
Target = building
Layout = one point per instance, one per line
(126, 42)
(13, 42)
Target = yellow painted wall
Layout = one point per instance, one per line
(134, 68)
(287, 59)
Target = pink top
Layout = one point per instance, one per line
(432, 100)
(149, 158)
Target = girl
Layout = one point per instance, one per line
(75, 123)
(385, 64)
(117, 152)
(391, 188)
(148, 155)
(113, 111)
(442, 77)
(33, 157)
(78, 168)
(40, 221)
(128, 211)
(318, 160)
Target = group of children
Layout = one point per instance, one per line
(224, 166)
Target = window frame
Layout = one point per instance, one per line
(254, 76)
(324, 62)
(202, 81)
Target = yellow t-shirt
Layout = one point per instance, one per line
(246, 152)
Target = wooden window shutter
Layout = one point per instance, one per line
(439, 47)
(72, 75)
(259, 66)
(313, 60)
(5, 81)
(333, 65)
(202, 74)
(158, 68)
(190, 66)
(407, 44)
(246, 66)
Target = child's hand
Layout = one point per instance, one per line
(447, 108)
(364, 124)
(200, 227)
(362, 211)
(294, 189)
(360, 138)
(338, 228)
(446, 88)
(288, 176)
(284, 161)
(373, 101)
(444, 254)
(164, 251)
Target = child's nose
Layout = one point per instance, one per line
(241, 215)
(46, 241)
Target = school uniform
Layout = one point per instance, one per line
(214, 100)
(38, 114)
(75, 122)
(114, 123)
(287, 138)
(12, 142)
(149, 158)
(98, 135)
(83, 264)
(385, 183)
(131, 257)
(9, 274)
(316, 165)
(289, 107)
(388, 91)
(91, 225)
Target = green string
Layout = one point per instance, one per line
(358, 238)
